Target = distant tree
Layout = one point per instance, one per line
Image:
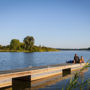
(15, 44)
(89, 48)
(22, 46)
(7, 47)
(0, 46)
(29, 42)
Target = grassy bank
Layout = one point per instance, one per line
(41, 50)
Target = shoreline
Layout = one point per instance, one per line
(27, 51)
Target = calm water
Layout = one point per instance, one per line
(13, 60)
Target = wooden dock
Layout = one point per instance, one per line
(7, 78)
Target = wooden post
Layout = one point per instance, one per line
(21, 83)
(66, 71)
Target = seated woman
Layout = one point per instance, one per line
(81, 60)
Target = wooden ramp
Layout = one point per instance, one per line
(7, 78)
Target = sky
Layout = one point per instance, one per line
(53, 23)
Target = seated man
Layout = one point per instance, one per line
(76, 59)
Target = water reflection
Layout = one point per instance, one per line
(28, 59)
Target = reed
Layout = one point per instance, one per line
(76, 81)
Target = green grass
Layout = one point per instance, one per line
(76, 82)
(41, 50)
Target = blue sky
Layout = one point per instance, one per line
(53, 23)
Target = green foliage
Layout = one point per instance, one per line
(43, 49)
(0, 46)
(28, 42)
(89, 48)
(22, 46)
(6, 47)
(36, 49)
(26, 46)
(76, 82)
(15, 44)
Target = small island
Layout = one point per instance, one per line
(26, 46)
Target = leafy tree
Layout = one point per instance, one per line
(15, 44)
(0, 46)
(89, 48)
(22, 46)
(6, 47)
(28, 42)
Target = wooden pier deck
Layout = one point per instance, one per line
(35, 73)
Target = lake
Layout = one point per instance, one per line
(15, 60)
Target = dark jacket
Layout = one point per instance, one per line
(77, 60)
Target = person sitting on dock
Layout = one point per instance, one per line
(81, 60)
(76, 59)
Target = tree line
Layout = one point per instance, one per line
(26, 45)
